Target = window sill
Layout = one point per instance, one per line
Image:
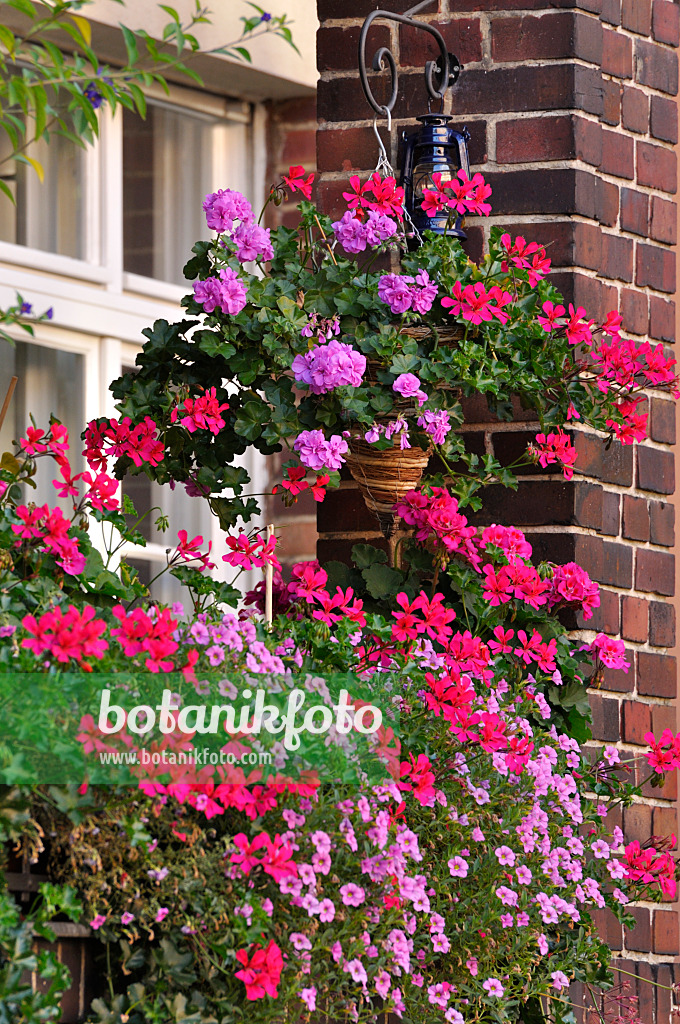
(153, 289)
(53, 264)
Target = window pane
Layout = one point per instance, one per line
(50, 215)
(171, 161)
(50, 381)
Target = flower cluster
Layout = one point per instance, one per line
(436, 518)
(318, 453)
(73, 634)
(116, 438)
(356, 235)
(555, 449)
(460, 195)
(202, 413)
(226, 291)
(402, 292)
(330, 366)
(476, 305)
(387, 197)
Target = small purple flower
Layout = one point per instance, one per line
(49, 313)
(26, 307)
(6, 631)
(423, 293)
(379, 228)
(265, 16)
(227, 292)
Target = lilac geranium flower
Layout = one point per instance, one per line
(408, 386)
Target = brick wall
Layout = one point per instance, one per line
(291, 139)
(573, 114)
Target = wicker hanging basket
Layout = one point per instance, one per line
(385, 476)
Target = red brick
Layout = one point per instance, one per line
(668, 791)
(617, 155)
(656, 66)
(337, 47)
(656, 167)
(587, 39)
(635, 518)
(530, 87)
(664, 717)
(617, 257)
(614, 466)
(596, 198)
(639, 938)
(588, 505)
(346, 149)
(535, 139)
(588, 88)
(587, 245)
(605, 712)
(588, 141)
(662, 421)
(664, 118)
(665, 932)
(637, 823)
(634, 211)
(635, 110)
(608, 927)
(611, 12)
(665, 22)
(662, 520)
(635, 311)
(661, 319)
(617, 54)
(606, 561)
(656, 470)
(552, 191)
(462, 36)
(656, 675)
(532, 38)
(655, 267)
(637, 719)
(665, 822)
(606, 617)
(611, 513)
(664, 221)
(636, 15)
(661, 624)
(360, 8)
(612, 95)
(655, 572)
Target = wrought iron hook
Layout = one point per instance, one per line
(439, 75)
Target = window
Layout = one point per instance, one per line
(51, 216)
(51, 382)
(171, 160)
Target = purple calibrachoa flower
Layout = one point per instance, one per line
(318, 453)
(329, 366)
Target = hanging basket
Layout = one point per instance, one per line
(385, 476)
(447, 335)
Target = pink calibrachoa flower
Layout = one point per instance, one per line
(352, 895)
(493, 987)
(559, 980)
(161, 914)
(308, 997)
(127, 918)
(97, 921)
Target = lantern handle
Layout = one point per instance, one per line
(439, 74)
(383, 165)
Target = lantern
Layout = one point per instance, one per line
(433, 148)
